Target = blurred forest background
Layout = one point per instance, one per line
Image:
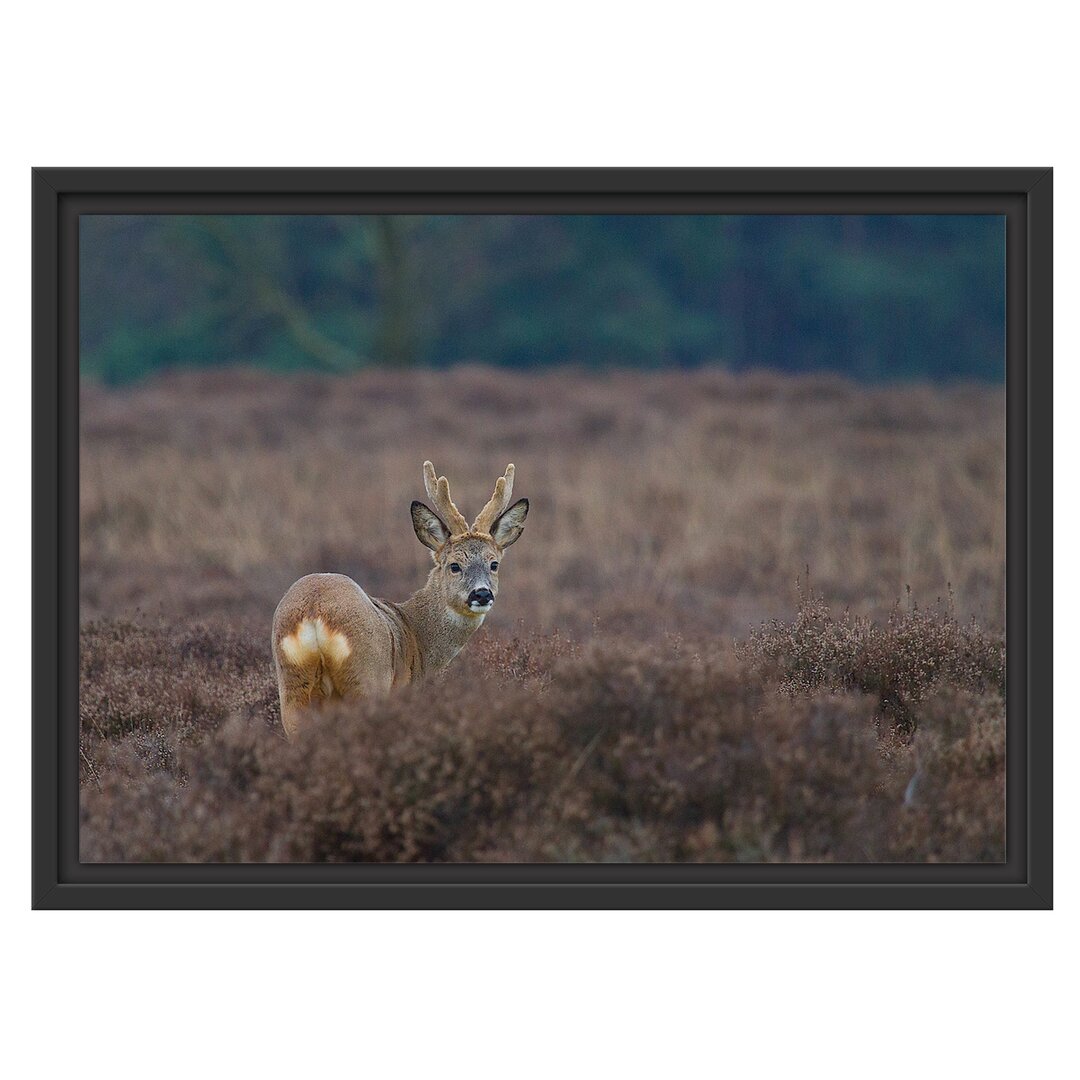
(871, 297)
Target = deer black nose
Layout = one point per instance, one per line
(481, 596)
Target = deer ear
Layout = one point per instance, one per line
(430, 530)
(511, 524)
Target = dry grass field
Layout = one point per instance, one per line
(652, 684)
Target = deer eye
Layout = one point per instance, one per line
(455, 568)
(494, 566)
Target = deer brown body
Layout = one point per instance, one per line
(331, 640)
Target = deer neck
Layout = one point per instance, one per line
(441, 633)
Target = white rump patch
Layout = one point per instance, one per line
(311, 639)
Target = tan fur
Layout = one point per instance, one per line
(331, 640)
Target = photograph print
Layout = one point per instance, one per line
(542, 538)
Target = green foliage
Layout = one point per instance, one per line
(874, 297)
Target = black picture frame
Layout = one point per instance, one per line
(1024, 196)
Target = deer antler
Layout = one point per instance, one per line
(438, 489)
(498, 502)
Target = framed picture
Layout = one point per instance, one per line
(767, 456)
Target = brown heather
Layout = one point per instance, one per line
(641, 691)
(915, 650)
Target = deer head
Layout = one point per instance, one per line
(467, 557)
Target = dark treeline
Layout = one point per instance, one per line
(873, 297)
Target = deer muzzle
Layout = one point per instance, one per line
(480, 600)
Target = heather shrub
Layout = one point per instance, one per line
(157, 689)
(954, 803)
(700, 760)
(899, 662)
(534, 750)
(413, 778)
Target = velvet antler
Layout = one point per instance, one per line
(438, 489)
(499, 501)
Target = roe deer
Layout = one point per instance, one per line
(332, 640)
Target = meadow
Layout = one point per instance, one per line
(753, 617)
